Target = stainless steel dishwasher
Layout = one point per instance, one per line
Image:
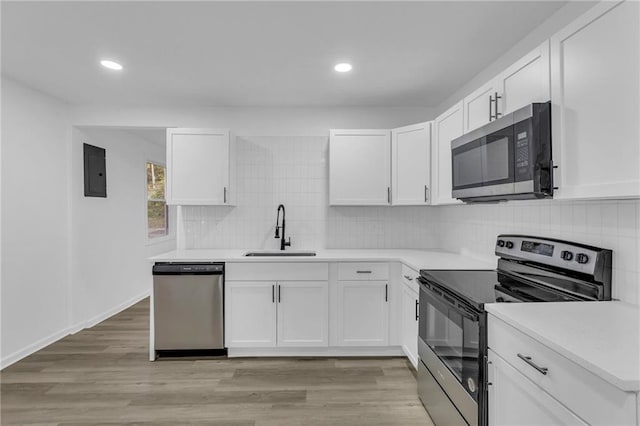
(188, 306)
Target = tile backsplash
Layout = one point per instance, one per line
(293, 171)
(472, 230)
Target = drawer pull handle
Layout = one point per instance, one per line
(408, 278)
(363, 272)
(527, 359)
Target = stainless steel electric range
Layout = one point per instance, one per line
(452, 324)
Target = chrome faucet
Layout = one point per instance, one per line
(283, 243)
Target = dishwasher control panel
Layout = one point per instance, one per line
(171, 268)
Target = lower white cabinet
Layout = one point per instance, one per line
(303, 313)
(410, 323)
(263, 314)
(516, 400)
(250, 314)
(363, 313)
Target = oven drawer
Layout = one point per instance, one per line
(355, 271)
(410, 278)
(587, 395)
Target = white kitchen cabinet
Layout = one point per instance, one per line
(303, 313)
(480, 106)
(410, 323)
(363, 313)
(359, 167)
(411, 165)
(200, 165)
(543, 386)
(526, 81)
(263, 314)
(595, 75)
(515, 400)
(250, 314)
(446, 127)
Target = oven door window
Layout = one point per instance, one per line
(453, 336)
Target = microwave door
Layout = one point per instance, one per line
(467, 165)
(498, 172)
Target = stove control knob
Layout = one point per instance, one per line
(566, 255)
(582, 258)
(509, 244)
(500, 243)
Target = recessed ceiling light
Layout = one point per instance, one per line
(111, 65)
(343, 67)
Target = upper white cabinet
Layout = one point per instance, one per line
(448, 126)
(411, 165)
(199, 167)
(595, 84)
(526, 81)
(359, 167)
(480, 106)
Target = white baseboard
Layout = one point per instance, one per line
(319, 352)
(115, 310)
(34, 347)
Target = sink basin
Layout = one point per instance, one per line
(290, 253)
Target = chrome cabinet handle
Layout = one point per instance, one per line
(498, 113)
(490, 103)
(408, 277)
(363, 272)
(527, 359)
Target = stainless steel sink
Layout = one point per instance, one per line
(288, 253)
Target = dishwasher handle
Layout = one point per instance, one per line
(169, 268)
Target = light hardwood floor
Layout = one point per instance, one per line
(102, 376)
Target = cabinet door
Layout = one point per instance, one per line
(526, 81)
(410, 324)
(479, 109)
(303, 313)
(595, 75)
(448, 126)
(363, 313)
(197, 166)
(359, 167)
(250, 314)
(411, 165)
(515, 400)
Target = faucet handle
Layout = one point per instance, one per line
(288, 243)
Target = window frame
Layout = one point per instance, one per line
(170, 231)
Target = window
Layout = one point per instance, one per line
(157, 211)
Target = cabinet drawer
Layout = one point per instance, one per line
(277, 271)
(410, 277)
(590, 397)
(363, 271)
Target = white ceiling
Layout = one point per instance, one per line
(259, 53)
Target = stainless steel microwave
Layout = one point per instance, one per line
(507, 159)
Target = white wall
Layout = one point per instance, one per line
(472, 230)
(35, 220)
(273, 170)
(254, 121)
(109, 243)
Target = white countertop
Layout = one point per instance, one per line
(416, 259)
(603, 337)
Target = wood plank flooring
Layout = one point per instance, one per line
(102, 376)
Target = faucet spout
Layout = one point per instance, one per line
(283, 242)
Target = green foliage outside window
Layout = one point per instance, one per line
(157, 211)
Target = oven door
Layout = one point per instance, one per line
(452, 333)
(484, 166)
